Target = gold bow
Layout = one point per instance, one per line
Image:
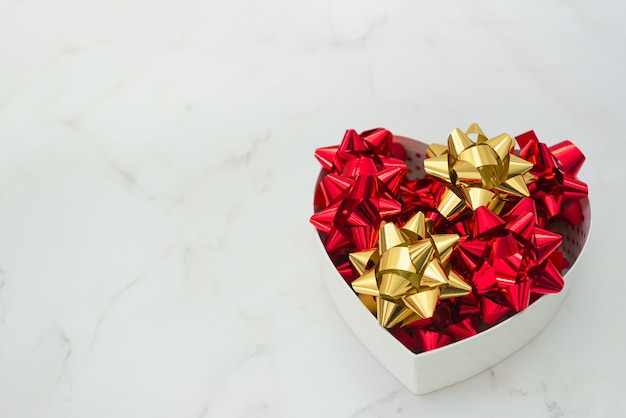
(481, 173)
(410, 272)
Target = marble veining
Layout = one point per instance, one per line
(156, 179)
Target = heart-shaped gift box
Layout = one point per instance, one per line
(431, 370)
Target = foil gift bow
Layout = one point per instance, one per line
(359, 190)
(479, 173)
(410, 272)
(508, 259)
(552, 180)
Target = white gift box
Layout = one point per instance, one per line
(425, 372)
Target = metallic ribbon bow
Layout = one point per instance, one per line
(479, 173)
(410, 272)
(359, 190)
(552, 180)
(507, 258)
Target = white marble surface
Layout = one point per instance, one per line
(156, 175)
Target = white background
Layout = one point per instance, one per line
(156, 178)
